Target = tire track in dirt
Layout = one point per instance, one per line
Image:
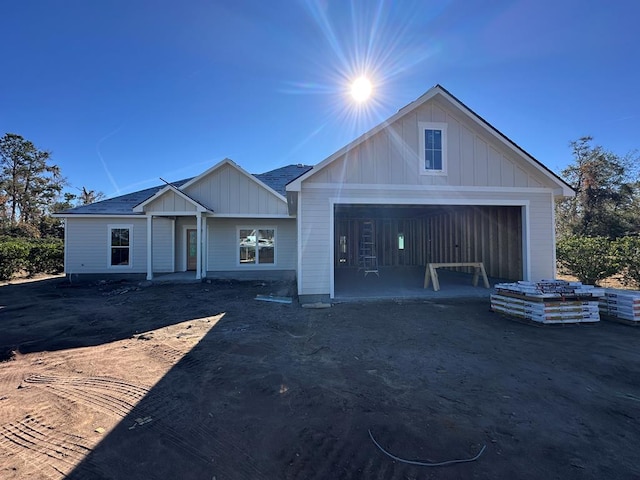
(10, 378)
(105, 394)
(43, 449)
(121, 399)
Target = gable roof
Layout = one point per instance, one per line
(232, 164)
(295, 185)
(274, 180)
(170, 188)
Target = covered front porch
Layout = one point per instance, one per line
(176, 232)
(176, 244)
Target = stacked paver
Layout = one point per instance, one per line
(621, 305)
(548, 301)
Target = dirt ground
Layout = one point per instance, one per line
(201, 381)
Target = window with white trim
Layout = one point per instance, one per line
(257, 245)
(120, 241)
(433, 148)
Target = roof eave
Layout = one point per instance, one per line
(296, 185)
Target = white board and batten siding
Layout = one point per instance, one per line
(170, 201)
(88, 245)
(229, 191)
(385, 169)
(391, 157)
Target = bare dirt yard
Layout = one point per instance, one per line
(201, 381)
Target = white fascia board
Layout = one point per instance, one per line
(199, 207)
(172, 213)
(231, 163)
(564, 189)
(249, 215)
(490, 129)
(140, 207)
(295, 185)
(99, 215)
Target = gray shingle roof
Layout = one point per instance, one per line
(278, 178)
(123, 205)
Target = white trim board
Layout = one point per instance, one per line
(102, 215)
(170, 188)
(122, 226)
(425, 188)
(503, 202)
(185, 246)
(245, 266)
(251, 215)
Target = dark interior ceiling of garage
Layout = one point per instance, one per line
(393, 211)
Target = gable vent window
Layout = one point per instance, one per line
(433, 148)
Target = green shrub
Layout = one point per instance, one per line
(13, 257)
(628, 252)
(45, 256)
(590, 259)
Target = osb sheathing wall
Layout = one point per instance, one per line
(492, 235)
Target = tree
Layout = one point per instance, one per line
(28, 183)
(606, 202)
(89, 196)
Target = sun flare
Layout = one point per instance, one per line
(361, 89)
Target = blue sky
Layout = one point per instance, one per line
(126, 91)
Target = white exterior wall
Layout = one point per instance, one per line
(223, 249)
(315, 275)
(162, 245)
(473, 157)
(87, 247)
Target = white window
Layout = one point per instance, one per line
(120, 242)
(257, 245)
(433, 148)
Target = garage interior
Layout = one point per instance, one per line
(382, 250)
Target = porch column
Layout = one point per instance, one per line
(199, 246)
(149, 247)
(205, 248)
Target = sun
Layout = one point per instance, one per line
(361, 89)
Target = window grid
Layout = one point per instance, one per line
(256, 246)
(120, 246)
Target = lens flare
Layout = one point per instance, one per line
(361, 89)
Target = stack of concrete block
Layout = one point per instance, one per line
(621, 305)
(548, 301)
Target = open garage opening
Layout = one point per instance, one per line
(383, 250)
